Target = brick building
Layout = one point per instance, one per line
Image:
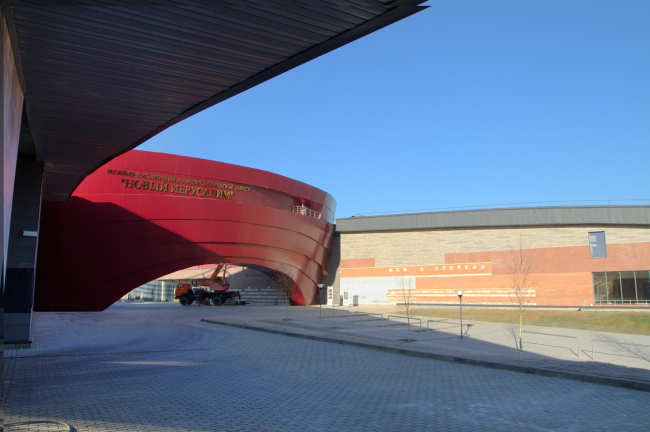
(581, 256)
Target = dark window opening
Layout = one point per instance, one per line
(628, 287)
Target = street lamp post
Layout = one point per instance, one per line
(320, 299)
(460, 297)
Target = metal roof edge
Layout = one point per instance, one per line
(633, 215)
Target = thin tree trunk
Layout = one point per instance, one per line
(521, 330)
(408, 322)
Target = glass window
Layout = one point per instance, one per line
(597, 247)
(628, 288)
(600, 286)
(643, 285)
(613, 286)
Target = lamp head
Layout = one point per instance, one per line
(460, 292)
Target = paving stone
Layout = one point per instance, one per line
(158, 368)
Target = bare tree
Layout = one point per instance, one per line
(407, 295)
(522, 263)
(283, 278)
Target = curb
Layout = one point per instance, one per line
(594, 379)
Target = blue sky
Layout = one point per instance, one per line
(465, 103)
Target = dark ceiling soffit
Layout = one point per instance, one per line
(13, 39)
(383, 20)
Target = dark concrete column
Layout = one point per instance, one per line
(333, 278)
(21, 256)
(11, 105)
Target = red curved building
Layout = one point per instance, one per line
(144, 215)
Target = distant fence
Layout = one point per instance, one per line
(541, 303)
(553, 335)
(381, 316)
(408, 319)
(593, 345)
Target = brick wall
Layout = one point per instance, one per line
(448, 269)
(430, 247)
(549, 289)
(358, 263)
(478, 261)
(620, 257)
(374, 290)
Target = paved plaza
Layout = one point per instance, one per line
(156, 367)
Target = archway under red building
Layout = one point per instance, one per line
(145, 215)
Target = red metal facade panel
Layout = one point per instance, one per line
(144, 215)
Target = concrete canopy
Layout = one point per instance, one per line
(102, 77)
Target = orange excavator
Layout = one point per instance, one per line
(217, 283)
(217, 290)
